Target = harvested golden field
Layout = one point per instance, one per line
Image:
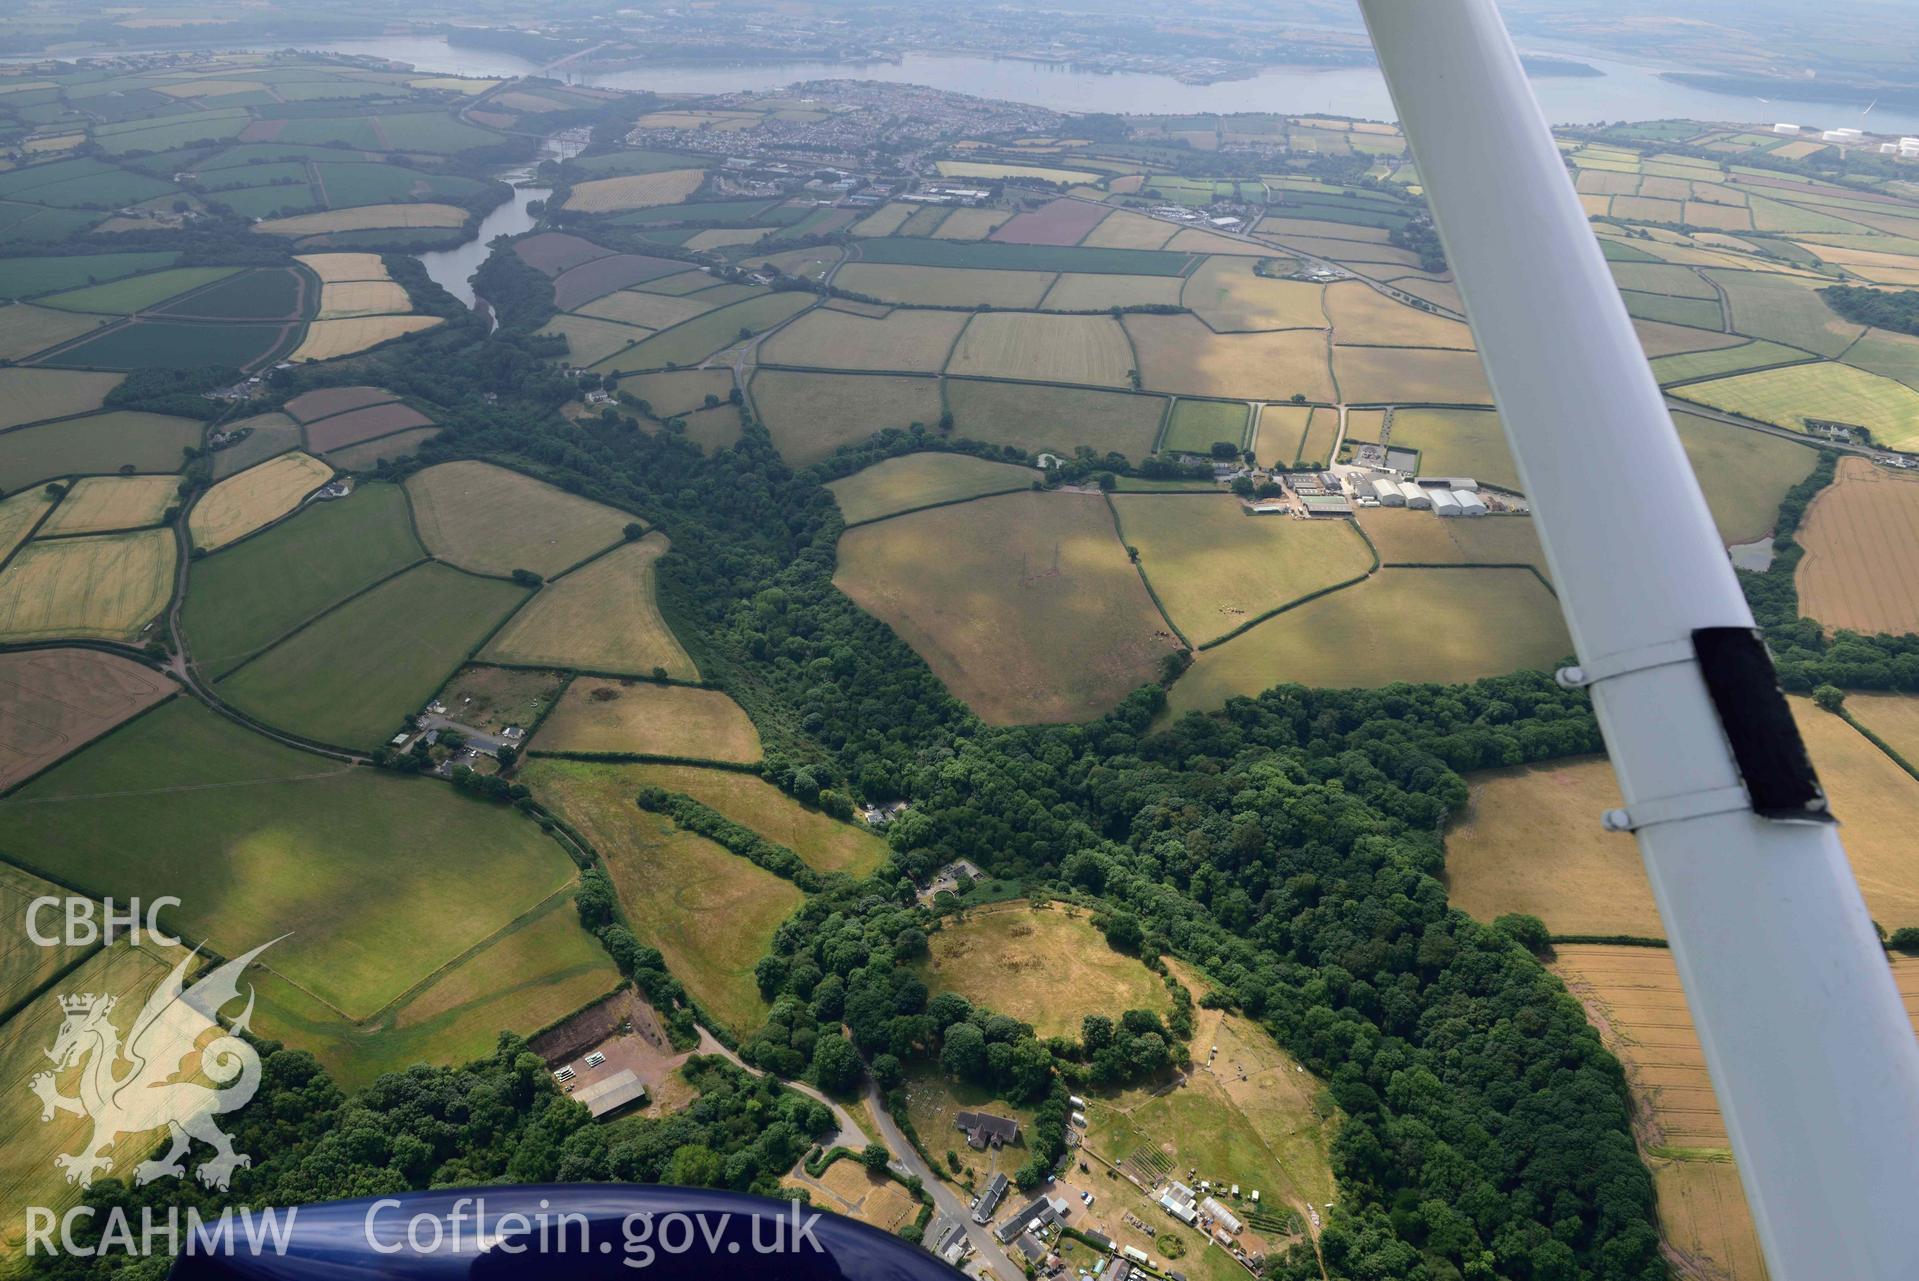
(1656, 338)
(970, 224)
(1057, 418)
(710, 912)
(28, 395)
(635, 191)
(1215, 566)
(847, 1187)
(1025, 605)
(493, 521)
(1361, 314)
(649, 311)
(1194, 241)
(1861, 535)
(362, 298)
(106, 587)
(885, 220)
(1443, 625)
(337, 268)
(1124, 229)
(602, 617)
(823, 842)
(1893, 717)
(1090, 291)
(1040, 348)
(364, 218)
(904, 341)
(1230, 297)
(1281, 430)
(256, 497)
(944, 286)
(1410, 375)
(1406, 537)
(602, 714)
(1180, 354)
(55, 701)
(1704, 1219)
(720, 237)
(924, 480)
(330, 339)
(97, 504)
(1530, 839)
(1047, 966)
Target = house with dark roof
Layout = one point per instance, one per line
(1035, 1215)
(982, 1128)
(989, 1200)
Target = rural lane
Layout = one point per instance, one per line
(945, 1200)
(850, 1134)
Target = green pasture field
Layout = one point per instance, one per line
(721, 213)
(1785, 309)
(269, 435)
(691, 341)
(96, 445)
(265, 293)
(270, 202)
(173, 131)
(362, 184)
(161, 344)
(32, 224)
(349, 676)
(1062, 419)
(25, 965)
(375, 879)
(809, 415)
(710, 912)
(1700, 313)
(492, 520)
(943, 286)
(822, 842)
(112, 189)
(679, 392)
(614, 163)
(545, 967)
(1745, 474)
(31, 395)
(243, 598)
(1723, 360)
(994, 256)
(603, 617)
(1025, 605)
(922, 480)
(1891, 355)
(1457, 442)
(1215, 566)
(30, 277)
(26, 329)
(137, 293)
(1787, 397)
(19, 183)
(1197, 425)
(1415, 625)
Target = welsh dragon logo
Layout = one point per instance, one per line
(135, 1088)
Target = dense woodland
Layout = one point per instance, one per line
(1882, 308)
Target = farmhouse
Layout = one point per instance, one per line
(982, 1128)
(988, 1201)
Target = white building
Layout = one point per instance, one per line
(1220, 1214)
(1387, 492)
(1470, 504)
(1443, 502)
(1415, 497)
(1785, 128)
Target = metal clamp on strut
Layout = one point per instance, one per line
(1625, 662)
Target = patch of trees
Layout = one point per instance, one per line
(1884, 310)
(744, 841)
(180, 392)
(500, 1119)
(521, 297)
(1420, 237)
